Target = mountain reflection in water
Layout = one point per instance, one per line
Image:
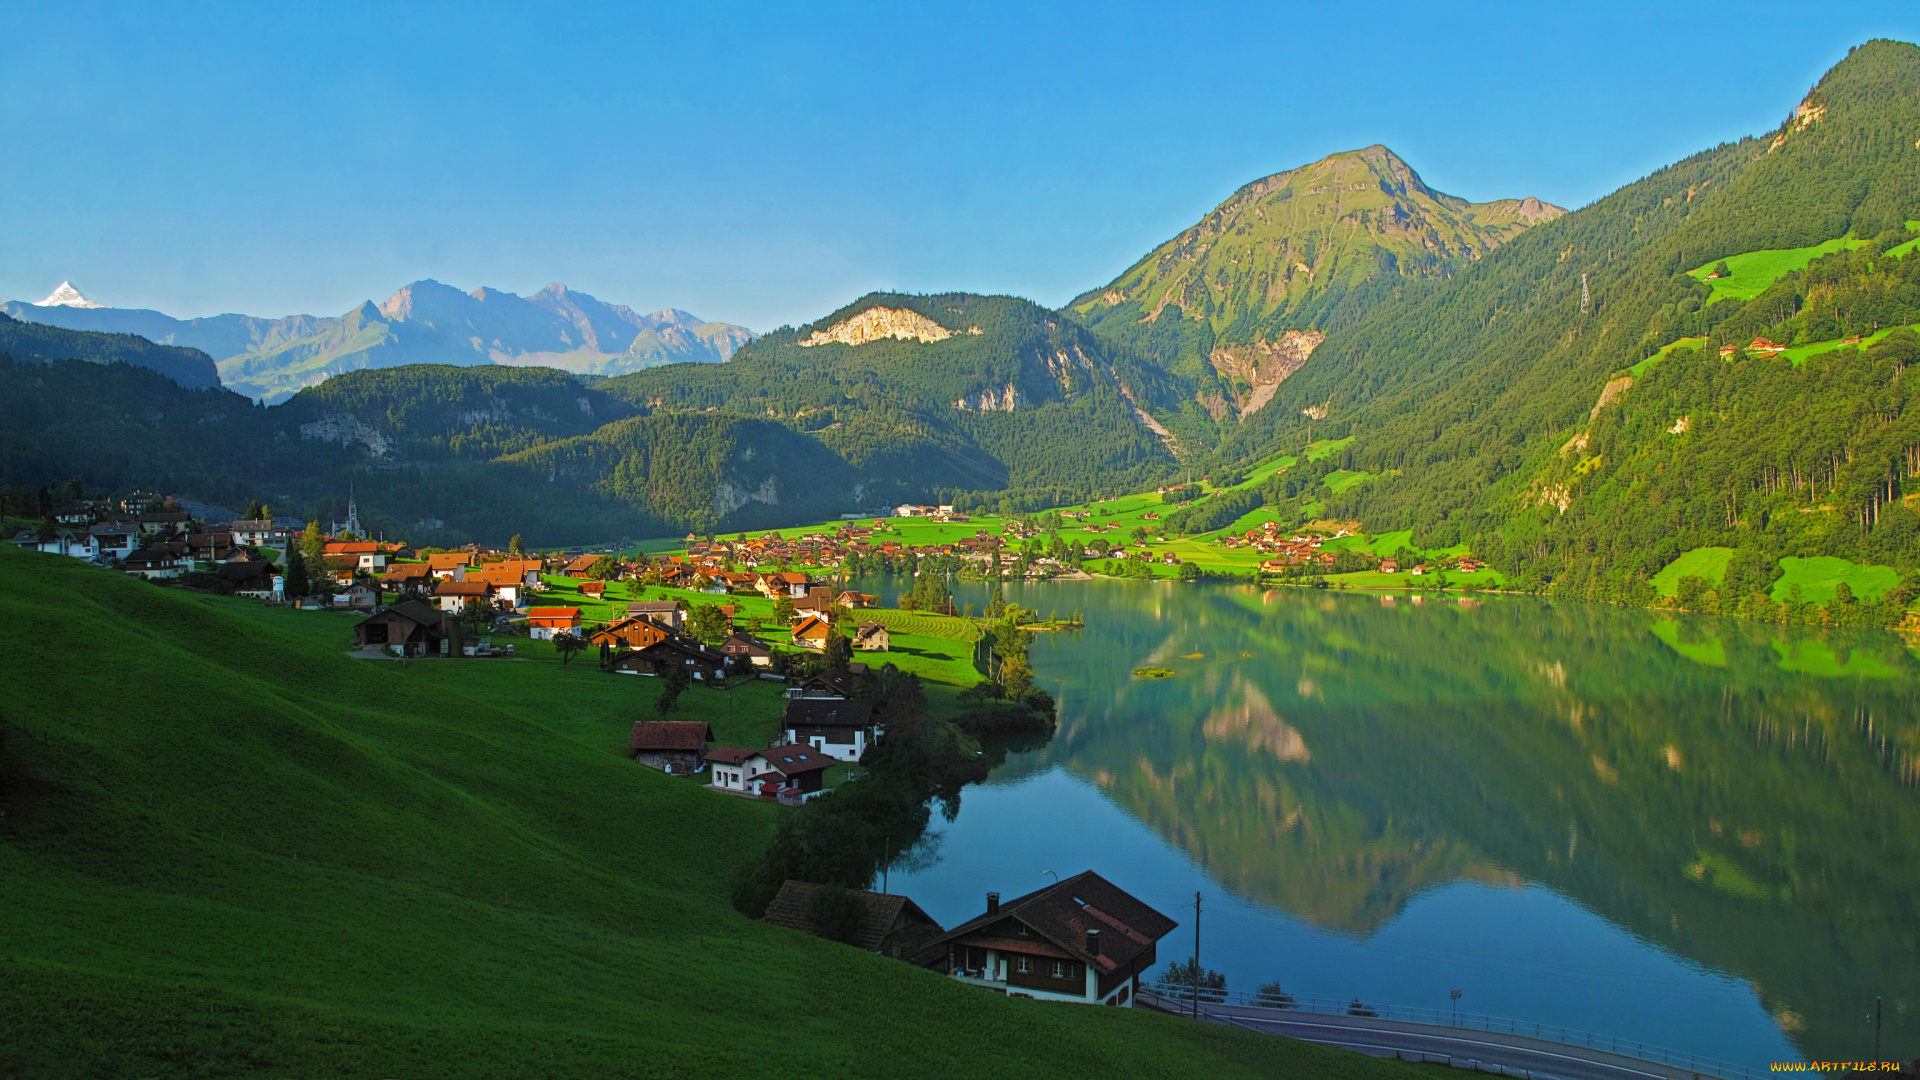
(1744, 797)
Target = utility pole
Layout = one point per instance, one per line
(1197, 959)
(1586, 297)
(886, 862)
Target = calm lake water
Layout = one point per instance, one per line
(1697, 833)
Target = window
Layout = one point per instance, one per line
(1060, 969)
(1023, 965)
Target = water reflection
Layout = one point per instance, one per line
(1745, 797)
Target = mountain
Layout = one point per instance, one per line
(1596, 397)
(1237, 303)
(423, 323)
(67, 296)
(32, 343)
(940, 394)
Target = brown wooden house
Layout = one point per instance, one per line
(417, 627)
(702, 663)
(678, 747)
(889, 925)
(1081, 939)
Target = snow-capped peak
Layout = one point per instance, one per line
(67, 296)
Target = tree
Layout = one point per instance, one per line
(1177, 982)
(673, 683)
(313, 547)
(567, 645)
(708, 623)
(603, 568)
(783, 608)
(1722, 271)
(515, 548)
(296, 584)
(257, 511)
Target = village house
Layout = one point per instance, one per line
(812, 633)
(543, 623)
(117, 539)
(826, 685)
(409, 577)
(580, 566)
(702, 663)
(632, 632)
(163, 522)
(253, 578)
(871, 637)
(79, 545)
(675, 747)
(408, 628)
(154, 563)
(791, 774)
(728, 765)
(367, 556)
(665, 613)
(456, 596)
(838, 729)
(793, 583)
(741, 644)
(889, 925)
(256, 533)
(509, 585)
(1082, 939)
(357, 596)
(449, 565)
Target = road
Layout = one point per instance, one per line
(1511, 1055)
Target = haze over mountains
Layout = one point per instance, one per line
(424, 323)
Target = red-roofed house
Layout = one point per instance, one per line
(544, 622)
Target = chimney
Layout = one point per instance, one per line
(1093, 941)
(993, 903)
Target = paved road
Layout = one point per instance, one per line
(1512, 1055)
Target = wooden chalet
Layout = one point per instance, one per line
(812, 633)
(871, 637)
(742, 644)
(666, 613)
(889, 925)
(838, 729)
(702, 663)
(632, 632)
(1082, 939)
(826, 685)
(580, 565)
(457, 596)
(410, 628)
(252, 578)
(677, 747)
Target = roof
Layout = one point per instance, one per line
(730, 755)
(447, 560)
(792, 908)
(670, 735)
(417, 610)
(1063, 912)
(794, 759)
(553, 613)
(809, 625)
(826, 712)
(642, 606)
(462, 588)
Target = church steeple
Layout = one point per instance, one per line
(352, 524)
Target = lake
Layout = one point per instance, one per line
(1697, 833)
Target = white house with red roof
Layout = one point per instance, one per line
(544, 622)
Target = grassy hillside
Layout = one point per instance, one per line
(234, 851)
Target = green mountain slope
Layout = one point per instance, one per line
(1490, 405)
(1235, 304)
(30, 343)
(930, 394)
(297, 863)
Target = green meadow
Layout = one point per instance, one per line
(1820, 576)
(1707, 562)
(1754, 271)
(233, 850)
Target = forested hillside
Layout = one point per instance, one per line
(31, 343)
(1566, 405)
(938, 394)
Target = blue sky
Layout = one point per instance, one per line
(765, 164)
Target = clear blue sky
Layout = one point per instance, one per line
(765, 164)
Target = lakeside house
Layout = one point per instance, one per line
(839, 729)
(675, 747)
(1082, 939)
(882, 923)
(791, 774)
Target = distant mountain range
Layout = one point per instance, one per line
(424, 323)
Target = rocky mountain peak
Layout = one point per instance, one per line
(68, 296)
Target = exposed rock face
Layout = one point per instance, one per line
(1006, 399)
(882, 322)
(729, 496)
(1263, 366)
(1611, 393)
(347, 429)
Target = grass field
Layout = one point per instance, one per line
(1643, 366)
(235, 851)
(1707, 562)
(1819, 576)
(1755, 270)
(1802, 353)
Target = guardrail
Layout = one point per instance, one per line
(1281, 1006)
